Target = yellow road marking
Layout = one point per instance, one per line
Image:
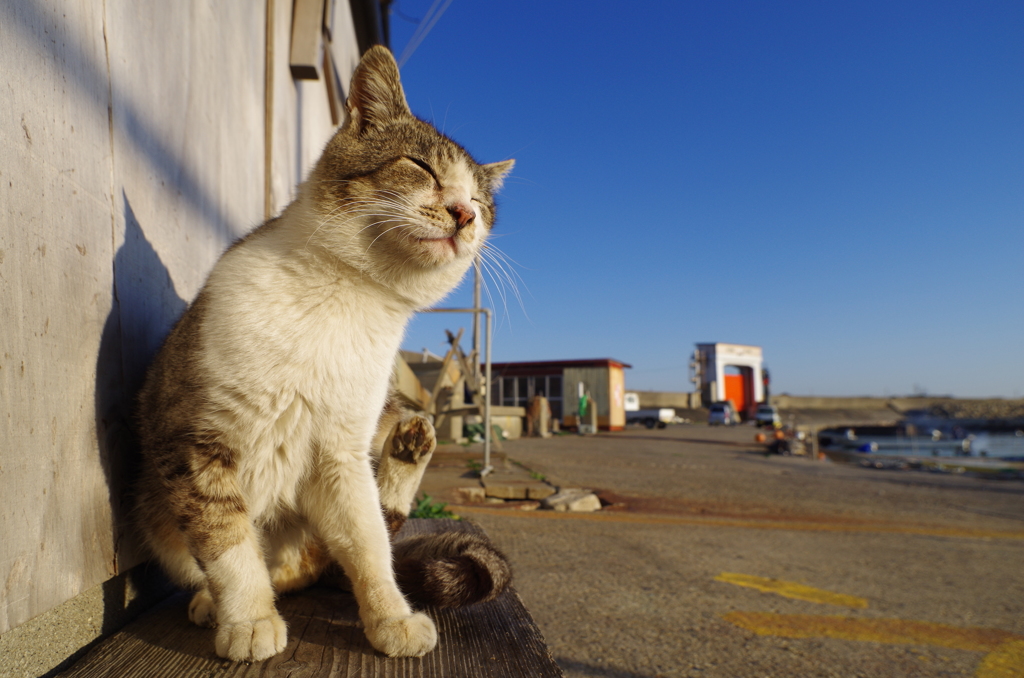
(792, 590)
(1007, 661)
(891, 631)
(756, 524)
(1005, 650)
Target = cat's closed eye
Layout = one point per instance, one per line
(424, 166)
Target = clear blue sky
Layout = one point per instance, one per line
(842, 185)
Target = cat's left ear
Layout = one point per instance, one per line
(375, 95)
(497, 171)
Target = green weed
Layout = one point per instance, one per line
(426, 507)
(533, 474)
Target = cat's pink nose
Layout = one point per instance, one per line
(463, 215)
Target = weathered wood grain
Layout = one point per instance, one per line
(497, 639)
(55, 282)
(130, 157)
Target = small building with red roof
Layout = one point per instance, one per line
(562, 382)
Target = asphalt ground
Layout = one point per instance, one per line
(714, 560)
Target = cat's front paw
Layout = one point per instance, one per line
(252, 641)
(411, 636)
(414, 440)
(202, 611)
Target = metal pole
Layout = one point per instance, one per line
(476, 317)
(487, 400)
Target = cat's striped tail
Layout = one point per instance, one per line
(452, 569)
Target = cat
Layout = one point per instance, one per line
(259, 414)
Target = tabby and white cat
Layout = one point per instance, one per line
(259, 415)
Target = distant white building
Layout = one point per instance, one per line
(730, 372)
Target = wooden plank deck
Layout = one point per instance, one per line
(497, 639)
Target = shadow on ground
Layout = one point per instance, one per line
(597, 671)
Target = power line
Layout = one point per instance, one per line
(426, 24)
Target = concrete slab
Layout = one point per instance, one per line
(504, 487)
(573, 500)
(453, 477)
(472, 495)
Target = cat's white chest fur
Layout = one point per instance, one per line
(302, 356)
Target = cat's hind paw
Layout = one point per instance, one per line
(411, 636)
(413, 440)
(252, 641)
(202, 611)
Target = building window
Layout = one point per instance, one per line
(517, 391)
(508, 392)
(554, 391)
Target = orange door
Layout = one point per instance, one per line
(736, 391)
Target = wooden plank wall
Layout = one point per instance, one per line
(131, 154)
(56, 249)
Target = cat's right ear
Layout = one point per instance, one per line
(497, 171)
(375, 95)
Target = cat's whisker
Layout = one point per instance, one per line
(328, 219)
(493, 257)
(353, 214)
(506, 315)
(487, 290)
(383, 233)
(498, 287)
(405, 199)
(515, 287)
(505, 257)
(501, 281)
(369, 207)
(377, 208)
(336, 213)
(511, 263)
(490, 298)
(381, 195)
(317, 229)
(397, 201)
(361, 207)
(376, 191)
(384, 193)
(382, 221)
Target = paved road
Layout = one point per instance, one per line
(718, 561)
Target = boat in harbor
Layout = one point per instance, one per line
(959, 445)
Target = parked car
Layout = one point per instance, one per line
(722, 413)
(767, 416)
